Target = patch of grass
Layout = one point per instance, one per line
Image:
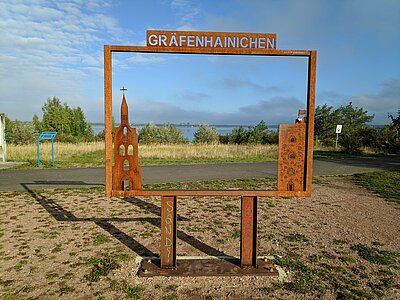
(236, 233)
(245, 184)
(100, 267)
(270, 289)
(64, 289)
(329, 277)
(57, 248)
(386, 184)
(374, 255)
(172, 287)
(339, 242)
(145, 234)
(51, 275)
(52, 234)
(331, 152)
(348, 259)
(231, 207)
(297, 237)
(122, 256)
(305, 278)
(353, 294)
(133, 292)
(100, 239)
(20, 264)
(219, 223)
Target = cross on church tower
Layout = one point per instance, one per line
(123, 90)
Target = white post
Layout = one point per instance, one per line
(3, 146)
(338, 130)
(337, 137)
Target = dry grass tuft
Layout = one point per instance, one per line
(218, 151)
(62, 150)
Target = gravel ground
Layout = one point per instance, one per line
(343, 242)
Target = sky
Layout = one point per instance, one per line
(55, 48)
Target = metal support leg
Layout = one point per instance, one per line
(248, 240)
(168, 232)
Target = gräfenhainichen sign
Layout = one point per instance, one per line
(208, 40)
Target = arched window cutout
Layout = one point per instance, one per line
(130, 150)
(290, 186)
(122, 150)
(125, 185)
(125, 131)
(126, 164)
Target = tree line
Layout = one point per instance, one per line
(206, 134)
(72, 126)
(356, 133)
(69, 122)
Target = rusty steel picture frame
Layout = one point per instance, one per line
(295, 157)
(311, 55)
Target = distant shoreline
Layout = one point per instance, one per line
(187, 130)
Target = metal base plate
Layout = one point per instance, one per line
(206, 267)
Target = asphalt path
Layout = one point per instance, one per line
(14, 180)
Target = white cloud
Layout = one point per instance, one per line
(51, 49)
(272, 111)
(188, 95)
(385, 100)
(236, 83)
(188, 13)
(144, 59)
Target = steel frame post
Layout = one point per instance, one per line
(108, 117)
(312, 77)
(248, 239)
(168, 232)
(52, 153)
(38, 150)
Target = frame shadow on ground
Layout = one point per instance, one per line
(62, 215)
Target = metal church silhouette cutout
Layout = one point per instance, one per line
(126, 154)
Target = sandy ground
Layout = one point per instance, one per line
(47, 241)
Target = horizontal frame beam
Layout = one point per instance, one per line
(228, 193)
(213, 51)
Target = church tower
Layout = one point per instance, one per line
(127, 174)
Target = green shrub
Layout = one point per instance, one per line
(20, 133)
(166, 134)
(238, 136)
(258, 134)
(206, 134)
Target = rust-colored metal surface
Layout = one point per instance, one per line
(126, 154)
(227, 193)
(207, 267)
(209, 40)
(248, 239)
(294, 162)
(312, 77)
(108, 117)
(309, 54)
(291, 157)
(168, 232)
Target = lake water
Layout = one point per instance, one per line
(187, 130)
